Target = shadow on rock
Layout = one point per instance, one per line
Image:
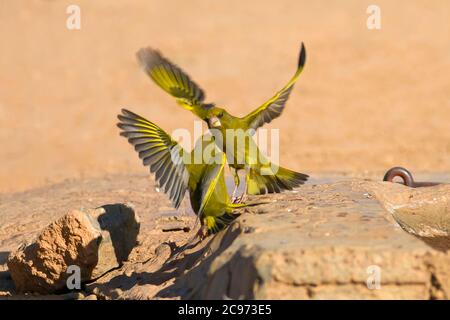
(6, 282)
(4, 257)
(186, 285)
(172, 272)
(123, 226)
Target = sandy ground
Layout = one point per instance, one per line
(25, 214)
(312, 243)
(367, 100)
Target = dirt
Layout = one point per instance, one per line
(315, 242)
(26, 214)
(367, 100)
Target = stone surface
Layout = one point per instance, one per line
(319, 241)
(96, 241)
(424, 212)
(119, 226)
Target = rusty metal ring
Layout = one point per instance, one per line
(402, 173)
(406, 177)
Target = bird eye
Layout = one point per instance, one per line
(220, 115)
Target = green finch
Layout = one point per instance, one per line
(177, 171)
(261, 175)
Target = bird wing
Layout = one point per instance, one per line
(209, 182)
(159, 151)
(273, 107)
(171, 79)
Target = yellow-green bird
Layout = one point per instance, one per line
(262, 176)
(176, 170)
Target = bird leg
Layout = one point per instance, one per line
(243, 197)
(202, 233)
(237, 182)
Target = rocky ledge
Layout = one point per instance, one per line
(350, 239)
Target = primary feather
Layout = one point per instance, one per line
(159, 152)
(169, 77)
(273, 107)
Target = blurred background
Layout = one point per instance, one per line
(366, 101)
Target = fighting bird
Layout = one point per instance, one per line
(177, 170)
(261, 175)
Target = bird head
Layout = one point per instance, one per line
(216, 118)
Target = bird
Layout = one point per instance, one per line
(262, 176)
(177, 171)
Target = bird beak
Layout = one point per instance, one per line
(214, 122)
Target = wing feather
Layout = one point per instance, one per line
(171, 78)
(159, 152)
(273, 107)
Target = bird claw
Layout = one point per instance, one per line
(239, 199)
(202, 234)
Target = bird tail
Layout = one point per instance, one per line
(283, 179)
(215, 224)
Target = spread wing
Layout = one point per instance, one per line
(172, 79)
(158, 151)
(273, 108)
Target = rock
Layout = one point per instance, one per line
(347, 246)
(173, 224)
(339, 240)
(423, 212)
(96, 241)
(120, 227)
(330, 241)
